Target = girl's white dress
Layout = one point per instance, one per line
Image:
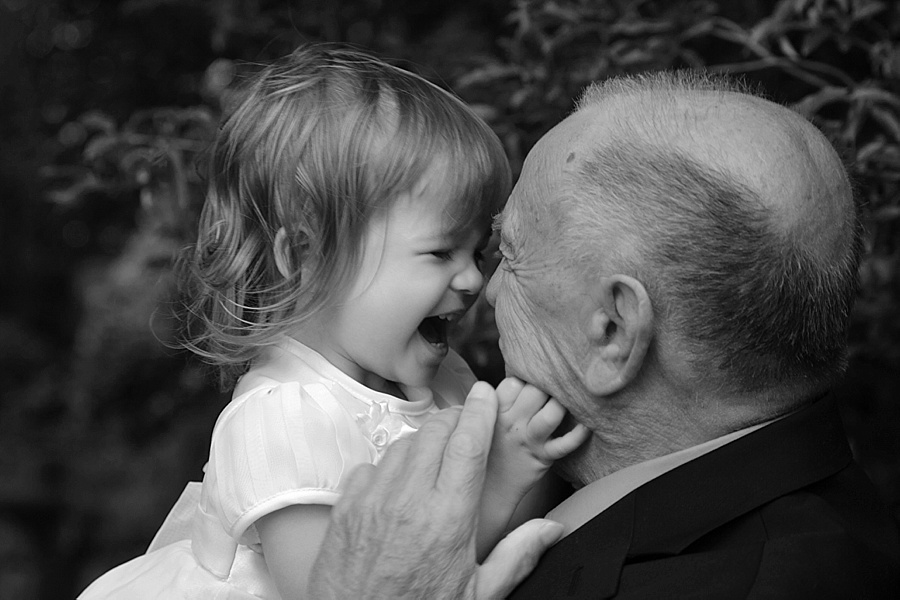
(295, 428)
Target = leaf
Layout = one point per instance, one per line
(813, 103)
(787, 48)
(866, 11)
(137, 158)
(565, 14)
(99, 145)
(519, 97)
(70, 194)
(521, 18)
(873, 94)
(798, 5)
(813, 40)
(888, 120)
(868, 151)
(486, 74)
(853, 122)
(886, 213)
(892, 64)
(643, 28)
(99, 121)
(763, 30)
(487, 112)
(635, 58)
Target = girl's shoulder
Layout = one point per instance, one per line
(272, 409)
(288, 396)
(284, 436)
(285, 361)
(286, 372)
(276, 445)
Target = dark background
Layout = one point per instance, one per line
(106, 105)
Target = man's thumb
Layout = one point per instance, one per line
(514, 558)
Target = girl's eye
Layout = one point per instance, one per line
(443, 254)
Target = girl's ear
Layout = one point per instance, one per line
(619, 328)
(282, 247)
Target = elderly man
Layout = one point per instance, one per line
(679, 264)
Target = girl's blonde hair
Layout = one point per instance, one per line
(318, 143)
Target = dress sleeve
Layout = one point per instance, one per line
(280, 446)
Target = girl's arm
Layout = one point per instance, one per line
(522, 452)
(290, 539)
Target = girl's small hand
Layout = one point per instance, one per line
(527, 420)
(522, 452)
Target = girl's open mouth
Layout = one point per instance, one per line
(434, 330)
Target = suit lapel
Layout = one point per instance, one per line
(676, 509)
(589, 559)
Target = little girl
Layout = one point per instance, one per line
(348, 207)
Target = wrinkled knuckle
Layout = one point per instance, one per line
(466, 446)
(405, 509)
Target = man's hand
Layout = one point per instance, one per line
(406, 528)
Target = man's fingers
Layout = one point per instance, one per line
(463, 466)
(514, 558)
(417, 457)
(427, 446)
(391, 468)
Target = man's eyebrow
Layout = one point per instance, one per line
(497, 222)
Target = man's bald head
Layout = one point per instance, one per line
(735, 212)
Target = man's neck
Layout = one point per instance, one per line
(641, 435)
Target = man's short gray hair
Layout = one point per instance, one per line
(755, 306)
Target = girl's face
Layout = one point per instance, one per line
(415, 281)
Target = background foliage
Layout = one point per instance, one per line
(107, 106)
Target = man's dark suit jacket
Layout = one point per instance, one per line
(782, 512)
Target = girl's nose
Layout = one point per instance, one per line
(469, 280)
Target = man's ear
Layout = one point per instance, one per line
(285, 259)
(619, 328)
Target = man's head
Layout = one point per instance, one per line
(679, 234)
